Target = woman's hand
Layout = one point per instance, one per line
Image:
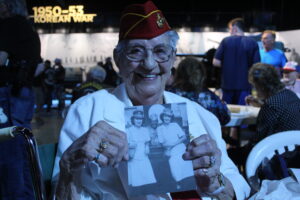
(250, 100)
(102, 143)
(206, 158)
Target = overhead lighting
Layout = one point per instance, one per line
(88, 30)
(62, 30)
(253, 29)
(207, 29)
(109, 29)
(184, 29)
(40, 31)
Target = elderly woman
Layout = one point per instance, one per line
(279, 106)
(93, 140)
(139, 166)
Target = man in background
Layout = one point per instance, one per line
(269, 54)
(235, 56)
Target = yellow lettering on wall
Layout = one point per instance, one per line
(55, 14)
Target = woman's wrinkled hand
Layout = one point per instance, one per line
(102, 143)
(206, 159)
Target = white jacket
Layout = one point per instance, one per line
(104, 183)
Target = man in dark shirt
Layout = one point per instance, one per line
(235, 56)
(19, 56)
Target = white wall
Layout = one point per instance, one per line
(84, 50)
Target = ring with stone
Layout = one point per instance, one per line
(103, 146)
(212, 161)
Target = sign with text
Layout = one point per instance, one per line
(55, 14)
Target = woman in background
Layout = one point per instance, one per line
(190, 82)
(280, 109)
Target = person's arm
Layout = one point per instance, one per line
(180, 134)
(79, 144)
(214, 104)
(237, 182)
(218, 57)
(256, 55)
(180, 140)
(266, 120)
(88, 148)
(206, 158)
(147, 148)
(283, 60)
(131, 149)
(250, 100)
(217, 62)
(3, 57)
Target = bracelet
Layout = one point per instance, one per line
(220, 189)
(216, 192)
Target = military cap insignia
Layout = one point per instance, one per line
(160, 21)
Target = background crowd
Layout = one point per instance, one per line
(250, 73)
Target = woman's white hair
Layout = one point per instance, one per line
(96, 73)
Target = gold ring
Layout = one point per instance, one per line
(103, 146)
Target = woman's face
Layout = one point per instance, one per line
(145, 80)
(167, 119)
(138, 122)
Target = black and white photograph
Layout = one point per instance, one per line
(157, 138)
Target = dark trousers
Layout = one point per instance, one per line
(235, 96)
(15, 177)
